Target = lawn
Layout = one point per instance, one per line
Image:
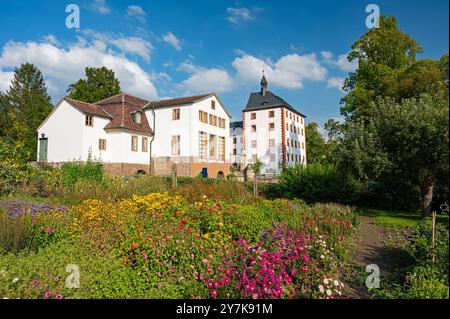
(387, 218)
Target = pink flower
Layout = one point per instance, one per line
(47, 294)
(35, 282)
(214, 293)
(59, 296)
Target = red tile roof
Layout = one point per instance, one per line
(123, 98)
(119, 109)
(178, 101)
(88, 108)
(123, 118)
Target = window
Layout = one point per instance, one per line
(253, 128)
(221, 149)
(288, 142)
(292, 130)
(287, 155)
(136, 117)
(234, 140)
(272, 157)
(253, 116)
(175, 114)
(203, 117)
(271, 114)
(222, 122)
(302, 132)
(271, 142)
(292, 157)
(202, 144)
(301, 120)
(295, 144)
(296, 157)
(175, 145)
(254, 144)
(303, 145)
(287, 113)
(290, 116)
(134, 143)
(271, 126)
(254, 158)
(212, 146)
(89, 121)
(234, 151)
(144, 144)
(287, 127)
(212, 119)
(102, 145)
(292, 143)
(213, 105)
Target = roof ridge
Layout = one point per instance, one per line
(184, 97)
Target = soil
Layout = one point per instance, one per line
(369, 249)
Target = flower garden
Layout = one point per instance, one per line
(176, 244)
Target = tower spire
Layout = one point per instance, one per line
(264, 85)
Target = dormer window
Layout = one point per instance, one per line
(137, 117)
(213, 104)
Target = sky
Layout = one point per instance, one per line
(164, 49)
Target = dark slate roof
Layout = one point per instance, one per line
(257, 101)
(236, 124)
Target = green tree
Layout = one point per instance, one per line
(315, 144)
(26, 105)
(256, 169)
(382, 55)
(405, 140)
(100, 83)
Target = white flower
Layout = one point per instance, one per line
(336, 283)
(325, 281)
(328, 292)
(15, 280)
(322, 256)
(321, 288)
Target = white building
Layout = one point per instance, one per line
(274, 132)
(236, 141)
(187, 135)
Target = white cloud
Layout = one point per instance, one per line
(5, 80)
(63, 66)
(50, 38)
(336, 82)
(134, 45)
(238, 16)
(100, 6)
(290, 71)
(203, 79)
(137, 12)
(341, 62)
(170, 38)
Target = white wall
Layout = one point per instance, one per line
(188, 127)
(119, 148)
(64, 130)
(236, 133)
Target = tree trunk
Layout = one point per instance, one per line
(426, 195)
(255, 185)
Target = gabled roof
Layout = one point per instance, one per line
(123, 120)
(185, 101)
(258, 101)
(123, 98)
(88, 108)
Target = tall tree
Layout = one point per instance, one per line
(27, 105)
(382, 54)
(315, 144)
(100, 83)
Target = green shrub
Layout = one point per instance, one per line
(74, 172)
(231, 177)
(13, 169)
(271, 190)
(318, 183)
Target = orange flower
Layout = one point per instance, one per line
(134, 245)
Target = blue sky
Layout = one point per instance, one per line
(169, 48)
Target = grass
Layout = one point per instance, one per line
(393, 219)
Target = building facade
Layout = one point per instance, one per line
(273, 132)
(188, 136)
(236, 141)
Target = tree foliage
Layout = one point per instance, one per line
(23, 108)
(100, 83)
(315, 144)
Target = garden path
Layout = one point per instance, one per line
(370, 249)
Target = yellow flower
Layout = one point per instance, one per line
(206, 236)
